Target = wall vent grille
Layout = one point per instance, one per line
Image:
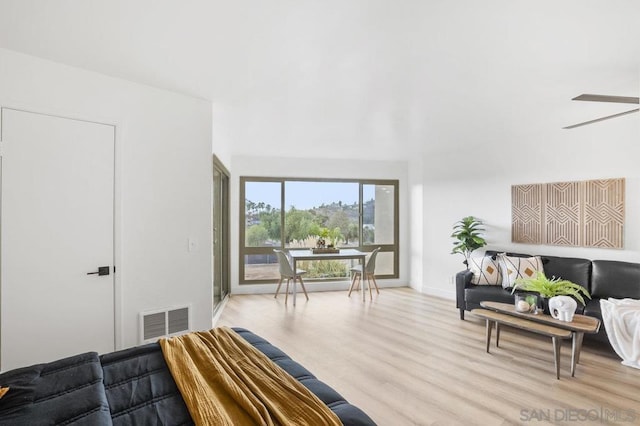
(164, 323)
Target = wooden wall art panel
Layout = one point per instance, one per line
(585, 214)
(526, 214)
(604, 213)
(563, 207)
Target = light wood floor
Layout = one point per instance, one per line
(406, 359)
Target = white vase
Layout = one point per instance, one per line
(562, 308)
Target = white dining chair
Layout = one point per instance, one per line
(286, 271)
(369, 274)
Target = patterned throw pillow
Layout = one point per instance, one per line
(485, 271)
(513, 268)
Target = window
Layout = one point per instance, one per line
(292, 213)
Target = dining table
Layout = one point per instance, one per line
(342, 254)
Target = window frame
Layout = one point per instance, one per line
(244, 250)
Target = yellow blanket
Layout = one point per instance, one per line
(226, 381)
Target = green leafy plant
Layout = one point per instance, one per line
(468, 237)
(330, 237)
(551, 287)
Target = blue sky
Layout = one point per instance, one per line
(305, 195)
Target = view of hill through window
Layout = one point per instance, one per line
(263, 223)
(294, 214)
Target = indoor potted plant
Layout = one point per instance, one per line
(550, 287)
(467, 234)
(328, 240)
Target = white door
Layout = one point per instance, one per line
(56, 227)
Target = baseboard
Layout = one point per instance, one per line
(310, 286)
(438, 292)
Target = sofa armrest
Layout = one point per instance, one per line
(463, 280)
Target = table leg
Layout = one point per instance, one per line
(497, 334)
(362, 262)
(576, 346)
(489, 327)
(294, 281)
(556, 354)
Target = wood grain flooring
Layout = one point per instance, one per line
(406, 359)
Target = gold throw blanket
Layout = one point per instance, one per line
(224, 380)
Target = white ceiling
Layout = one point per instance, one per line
(394, 76)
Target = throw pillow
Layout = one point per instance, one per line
(513, 268)
(485, 271)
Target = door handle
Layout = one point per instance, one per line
(102, 270)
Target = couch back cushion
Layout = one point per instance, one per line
(568, 268)
(62, 392)
(615, 279)
(494, 254)
(140, 388)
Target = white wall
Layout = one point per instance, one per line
(163, 176)
(221, 137)
(416, 221)
(317, 168)
(478, 181)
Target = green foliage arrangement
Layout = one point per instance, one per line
(468, 237)
(551, 287)
(330, 236)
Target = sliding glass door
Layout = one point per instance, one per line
(220, 239)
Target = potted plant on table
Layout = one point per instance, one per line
(468, 237)
(328, 240)
(550, 287)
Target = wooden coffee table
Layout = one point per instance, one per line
(505, 313)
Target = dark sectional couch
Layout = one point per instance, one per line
(603, 279)
(128, 387)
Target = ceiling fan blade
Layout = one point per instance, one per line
(607, 98)
(620, 114)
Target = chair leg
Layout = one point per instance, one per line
(302, 284)
(368, 285)
(373, 277)
(286, 295)
(278, 289)
(353, 281)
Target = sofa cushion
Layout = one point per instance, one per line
(66, 391)
(513, 268)
(474, 294)
(568, 268)
(494, 254)
(485, 271)
(139, 387)
(615, 279)
(593, 309)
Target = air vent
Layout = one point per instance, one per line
(178, 320)
(164, 323)
(155, 325)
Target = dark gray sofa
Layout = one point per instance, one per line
(129, 387)
(603, 279)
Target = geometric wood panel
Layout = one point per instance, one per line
(563, 213)
(526, 214)
(586, 213)
(604, 213)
